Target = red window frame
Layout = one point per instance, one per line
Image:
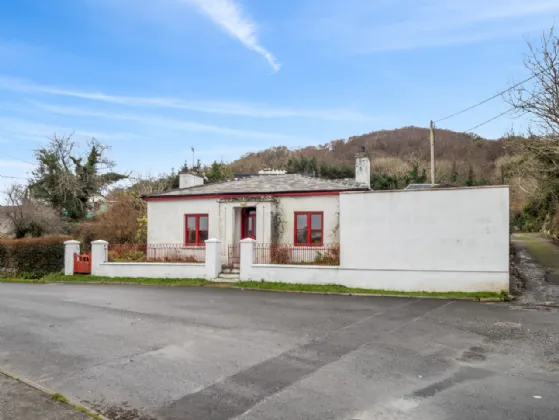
(309, 229)
(197, 229)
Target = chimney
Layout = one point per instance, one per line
(363, 168)
(187, 180)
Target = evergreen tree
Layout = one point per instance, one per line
(65, 181)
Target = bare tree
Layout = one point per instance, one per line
(540, 99)
(537, 156)
(30, 217)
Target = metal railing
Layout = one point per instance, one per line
(127, 252)
(328, 254)
(234, 256)
(171, 253)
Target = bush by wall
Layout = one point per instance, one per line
(32, 257)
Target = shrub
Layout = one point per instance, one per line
(280, 254)
(176, 259)
(127, 253)
(129, 256)
(123, 222)
(330, 257)
(140, 253)
(32, 257)
(29, 217)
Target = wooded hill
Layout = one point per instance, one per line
(394, 152)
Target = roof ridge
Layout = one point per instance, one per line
(268, 183)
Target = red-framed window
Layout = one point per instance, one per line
(309, 228)
(196, 229)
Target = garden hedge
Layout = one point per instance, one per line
(32, 257)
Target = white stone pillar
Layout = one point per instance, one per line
(247, 257)
(213, 258)
(99, 255)
(70, 248)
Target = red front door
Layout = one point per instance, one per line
(248, 223)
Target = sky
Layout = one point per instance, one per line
(154, 78)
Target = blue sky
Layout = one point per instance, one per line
(153, 78)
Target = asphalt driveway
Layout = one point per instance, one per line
(212, 354)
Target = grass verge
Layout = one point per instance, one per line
(260, 285)
(336, 288)
(58, 397)
(53, 278)
(61, 398)
(20, 280)
(135, 280)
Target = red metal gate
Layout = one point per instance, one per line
(82, 263)
(234, 256)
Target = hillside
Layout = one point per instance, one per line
(392, 152)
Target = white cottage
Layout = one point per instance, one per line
(279, 208)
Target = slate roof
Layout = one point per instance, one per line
(429, 186)
(268, 184)
(420, 186)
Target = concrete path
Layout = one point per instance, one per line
(19, 401)
(142, 353)
(539, 268)
(544, 251)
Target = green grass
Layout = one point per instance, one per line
(84, 410)
(262, 285)
(136, 280)
(20, 280)
(336, 288)
(59, 397)
(543, 250)
(51, 278)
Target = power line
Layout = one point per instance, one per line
(489, 120)
(15, 158)
(14, 177)
(491, 98)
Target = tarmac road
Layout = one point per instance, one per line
(145, 353)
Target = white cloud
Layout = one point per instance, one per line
(360, 27)
(211, 107)
(230, 16)
(166, 123)
(17, 130)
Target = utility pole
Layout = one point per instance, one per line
(432, 137)
(192, 158)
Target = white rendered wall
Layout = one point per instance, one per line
(152, 270)
(462, 230)
(329, 204)
(406, 281)
(435, 240)
(208, 270)
(166, 222)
